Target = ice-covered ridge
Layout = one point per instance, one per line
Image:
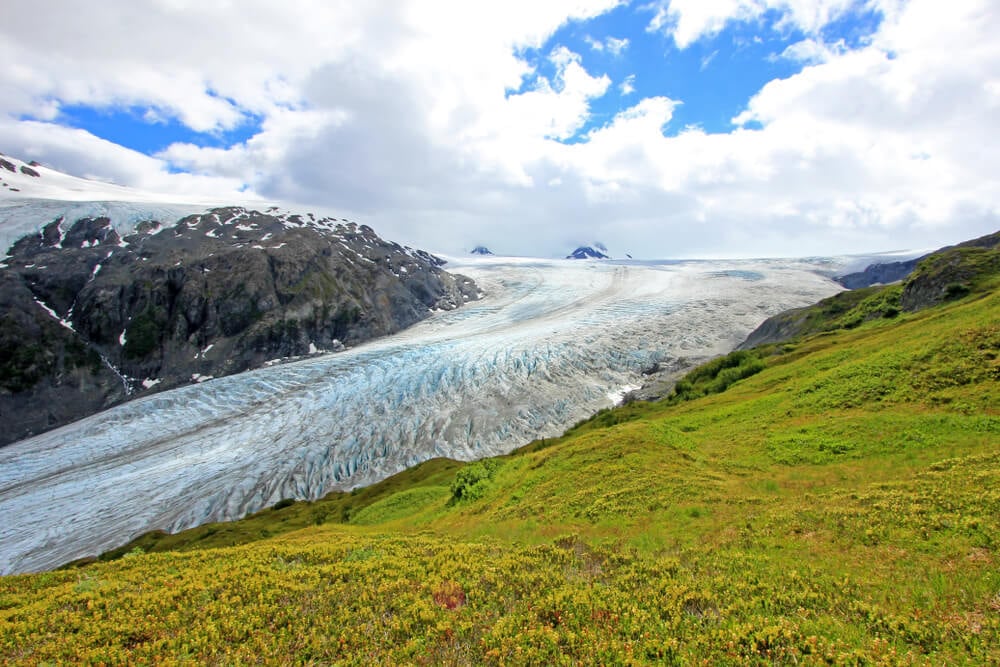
(33, 195)
(243, 225)
(553, 342)
(27, 216)
(20, 180)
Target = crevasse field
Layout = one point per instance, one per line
(552, 342)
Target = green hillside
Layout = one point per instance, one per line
(831, 499)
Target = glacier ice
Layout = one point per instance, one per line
(551, 343)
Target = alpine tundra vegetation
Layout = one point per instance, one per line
(830, 498)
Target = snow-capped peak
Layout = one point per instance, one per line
(596, 251)
(30, 180)
(32, 196)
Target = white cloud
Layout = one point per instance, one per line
(613, 45)
(813, 51)
(616, 46)
(627, 86)
(81, 153)
(687, 21)
(428, 123)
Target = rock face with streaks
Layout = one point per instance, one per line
(90, 319)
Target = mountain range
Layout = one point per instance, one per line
(93, 315)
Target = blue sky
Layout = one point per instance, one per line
(713, 79)
(147, 129)
(531, 126)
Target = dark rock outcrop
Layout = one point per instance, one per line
(778, 328)
(91, 319)
(48, 375)
(890, 272)
(879, 274)
(481, 250)
(941, 276)
(951, 273)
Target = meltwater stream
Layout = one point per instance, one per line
(551, 343)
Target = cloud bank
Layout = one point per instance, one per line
(429, 121)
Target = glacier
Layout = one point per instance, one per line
(551, 342)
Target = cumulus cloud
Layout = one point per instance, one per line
(627, 86)
(687, 21)
(430, 123)
(813, 51)
(80, 153)
(613, 45)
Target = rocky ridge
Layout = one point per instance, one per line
(944, 275)
(879, 274)
(884, 273)
(90, 318)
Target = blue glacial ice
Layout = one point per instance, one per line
(550, 344)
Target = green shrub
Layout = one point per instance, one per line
(955, 291)
(882, 303)
(471, 482)
(143, 334)
(22, 366)
(717, 375)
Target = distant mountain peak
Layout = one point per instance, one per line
(481, 250)
(590, 252)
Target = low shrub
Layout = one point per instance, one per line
(471, 482)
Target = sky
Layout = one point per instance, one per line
(662, 128)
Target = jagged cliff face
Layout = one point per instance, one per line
(89, 319)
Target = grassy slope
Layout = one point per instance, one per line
(842, 504)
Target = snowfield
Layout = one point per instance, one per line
(552, 342)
